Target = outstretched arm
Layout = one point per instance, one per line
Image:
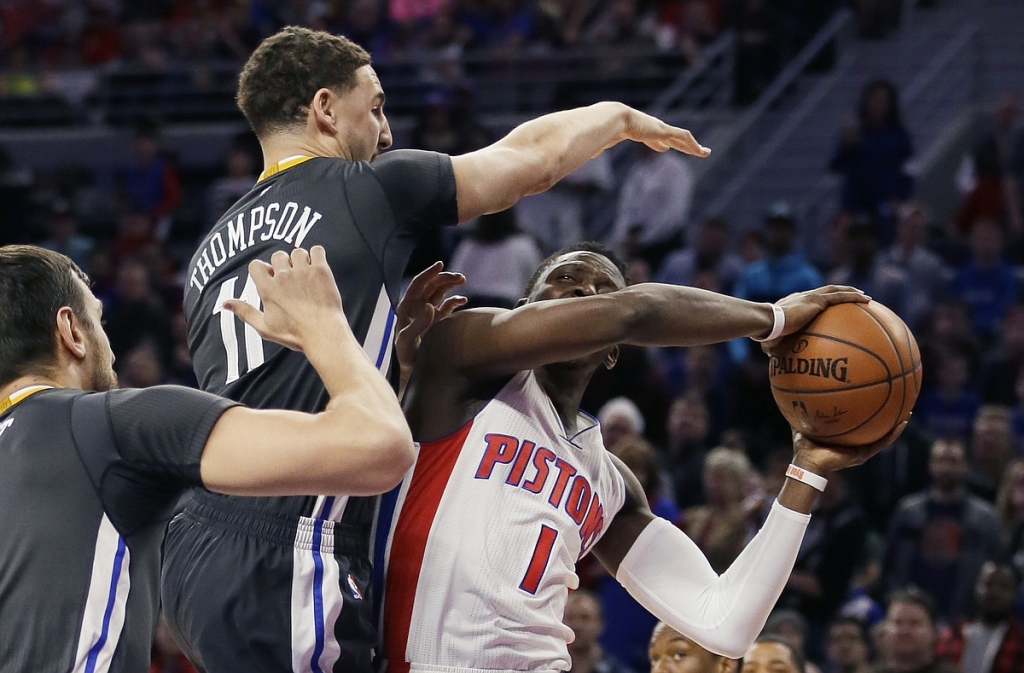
(539, 153)
(667, 573)
(494, 342)
(359, 445)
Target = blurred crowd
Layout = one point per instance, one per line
(911, 562)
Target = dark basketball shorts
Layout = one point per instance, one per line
(248, 590)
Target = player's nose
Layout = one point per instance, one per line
(585, 290)
(384, 140)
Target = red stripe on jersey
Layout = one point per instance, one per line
(429, 479)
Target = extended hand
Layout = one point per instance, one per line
(659, 136)
(298, 292)
(422, 306)
(823, 460)
(803, 307)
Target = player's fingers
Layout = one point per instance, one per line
(318, 256)
(260, 271)
(421, 284)
(845, 296)
(448, 282)
(247, 313)
(300, 257)
(684, 141)
(280, 260)
(449, 305)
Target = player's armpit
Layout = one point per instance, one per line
(351, 449)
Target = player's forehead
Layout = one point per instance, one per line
(585, 259)
(367, 80)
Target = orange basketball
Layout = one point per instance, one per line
(849, 377)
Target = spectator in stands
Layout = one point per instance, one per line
(238, 179)
(583, 616)
(940, 538)
(497, 260)
(140, 367)
(1001, 365)
(150, 183)
(986, 176)
(949, 399)
(557, 218)
(688, 443)
(723, 526)
(757, 27)
(927, 275)
(864, 269)
(946, 327)
(654, 206)
(620, 22)
(620, 418)
(703, 371)
(136, 314)
(63, 234)
(828, 557)
(994, 641)
(911, 635)
(991, 450)
(791, 627)
(709, 252)
(987, 283)
(135, 233)
(847, 646)
(772, 654)
(1010, 505)
(872, 156)
(179, 370)
(780, 272)
(672, 652)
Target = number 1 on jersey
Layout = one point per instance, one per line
(253, 342)
(539, 560)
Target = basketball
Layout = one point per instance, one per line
(849, 377)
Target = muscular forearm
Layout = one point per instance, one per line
(669, 575)
(552, 146)
(670, 315)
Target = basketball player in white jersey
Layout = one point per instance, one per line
(512, 484)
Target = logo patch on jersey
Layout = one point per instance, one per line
(355, 589)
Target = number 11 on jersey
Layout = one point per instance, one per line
(253, 342)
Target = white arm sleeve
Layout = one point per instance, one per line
(669, 575)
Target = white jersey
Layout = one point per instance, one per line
(485, 538)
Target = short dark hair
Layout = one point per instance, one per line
(912, 595)
(796, 654)
(850, 620)
(585, 246)
(279, 79)
(35, 283)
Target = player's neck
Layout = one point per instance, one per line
(565, 385)
(287, 145)
(28, 381)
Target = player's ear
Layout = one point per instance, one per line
(70, 332)
(612, 357)
(323, 110)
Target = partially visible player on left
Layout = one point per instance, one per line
(88, 479)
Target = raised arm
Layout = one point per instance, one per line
(359, 445)
(667, 573)
(539, 153)
(494, 342)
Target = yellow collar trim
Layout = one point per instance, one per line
(283, 164)
(20, 395)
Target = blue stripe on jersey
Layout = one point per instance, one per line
(385, 517)
(318, 599)
(94, 651)
(387, 337)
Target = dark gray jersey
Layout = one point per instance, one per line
(87, 483)
(368, 216)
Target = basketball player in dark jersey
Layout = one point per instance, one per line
(88, 479)
(236, 600)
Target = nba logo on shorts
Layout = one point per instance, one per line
(355, 589)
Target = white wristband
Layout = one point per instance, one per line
(800, 474)
(780, 324)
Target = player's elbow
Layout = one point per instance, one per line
(393, 454)
(729, 645)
